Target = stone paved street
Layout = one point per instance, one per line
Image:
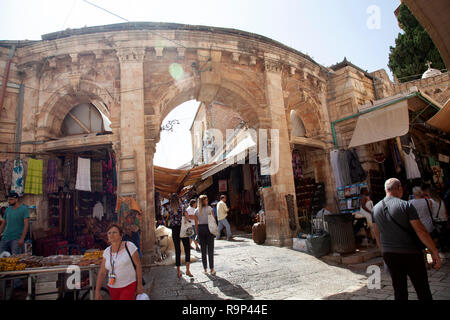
(249, 271)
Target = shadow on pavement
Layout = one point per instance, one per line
(230, 289)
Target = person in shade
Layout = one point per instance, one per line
(205, 237)
(399, 232)
(222, 213)
(15, 227)
(176, 212)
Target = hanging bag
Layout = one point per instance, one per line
(187, 229)
(212, 225)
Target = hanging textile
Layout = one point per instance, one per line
(109, 174)
(129, 216)
(412, 169)
(70, 173)
(296, 165)
(334, 159)
(395, 156)
(33, 181)
(17, 182)
(247, 177)
(6, 169)
(357, 173)
(97, 211)
(83, 182)
(51, 185)
(344, 167)
(96, 176)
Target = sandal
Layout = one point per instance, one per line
(213, 272)
(189, 274)
(179, 274)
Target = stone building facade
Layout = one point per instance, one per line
(136, 73)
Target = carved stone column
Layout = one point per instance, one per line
(132, 128)
(275, 201)
(149, 219)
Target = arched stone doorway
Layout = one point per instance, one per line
(139, 78)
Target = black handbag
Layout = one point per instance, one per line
(418, 243)
(134, 265)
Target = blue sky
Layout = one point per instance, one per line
(326, 30)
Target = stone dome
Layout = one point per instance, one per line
(431, 73)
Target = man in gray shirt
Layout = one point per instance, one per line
(396, 227)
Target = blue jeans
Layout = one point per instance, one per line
(12, 246)
(224, 223)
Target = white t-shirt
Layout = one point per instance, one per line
(191, 212)
(123, 267)
(423, 212)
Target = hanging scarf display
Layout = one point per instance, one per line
(51, 185)
(6, 168)
(17, 182)
(83, 182)
(96, 176)
(33, 181)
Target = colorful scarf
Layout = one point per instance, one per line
(52, 176)
(33, 182)
(17, 182)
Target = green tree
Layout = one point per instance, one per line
(413, 48)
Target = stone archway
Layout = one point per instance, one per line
(254, 75)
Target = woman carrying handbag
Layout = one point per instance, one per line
(206, 227)
(177, 211)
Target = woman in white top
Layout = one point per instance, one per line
(366, 209)
(124, 278)
(440, 213)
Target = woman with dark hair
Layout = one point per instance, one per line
(176, 212)
(205, 237)
(122, 264)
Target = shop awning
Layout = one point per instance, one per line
(383, 124)
(169, 181)
(239, 151)
(441, 120)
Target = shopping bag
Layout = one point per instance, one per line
(186, 228)
(212, 225)
(318, 244)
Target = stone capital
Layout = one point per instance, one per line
(130, 54)
(273, 66)
(150, 147)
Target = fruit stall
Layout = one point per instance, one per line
(46, 276)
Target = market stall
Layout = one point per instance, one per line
(34, 268)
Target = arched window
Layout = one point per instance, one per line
(298, 128)
(83, 119)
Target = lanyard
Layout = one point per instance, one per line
(111, 261)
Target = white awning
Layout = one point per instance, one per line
(378, 125)
(441, 120)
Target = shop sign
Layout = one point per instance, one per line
(444, 158)
(222, 185)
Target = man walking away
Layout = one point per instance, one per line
(399, 233)
(17, 218)
(222, 213)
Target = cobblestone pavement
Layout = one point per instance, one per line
(249, 271)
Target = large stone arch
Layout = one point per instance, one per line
(259, 78)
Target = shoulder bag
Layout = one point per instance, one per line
(212, 225)
(134, 265)
(418, 243)
(187, 229)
